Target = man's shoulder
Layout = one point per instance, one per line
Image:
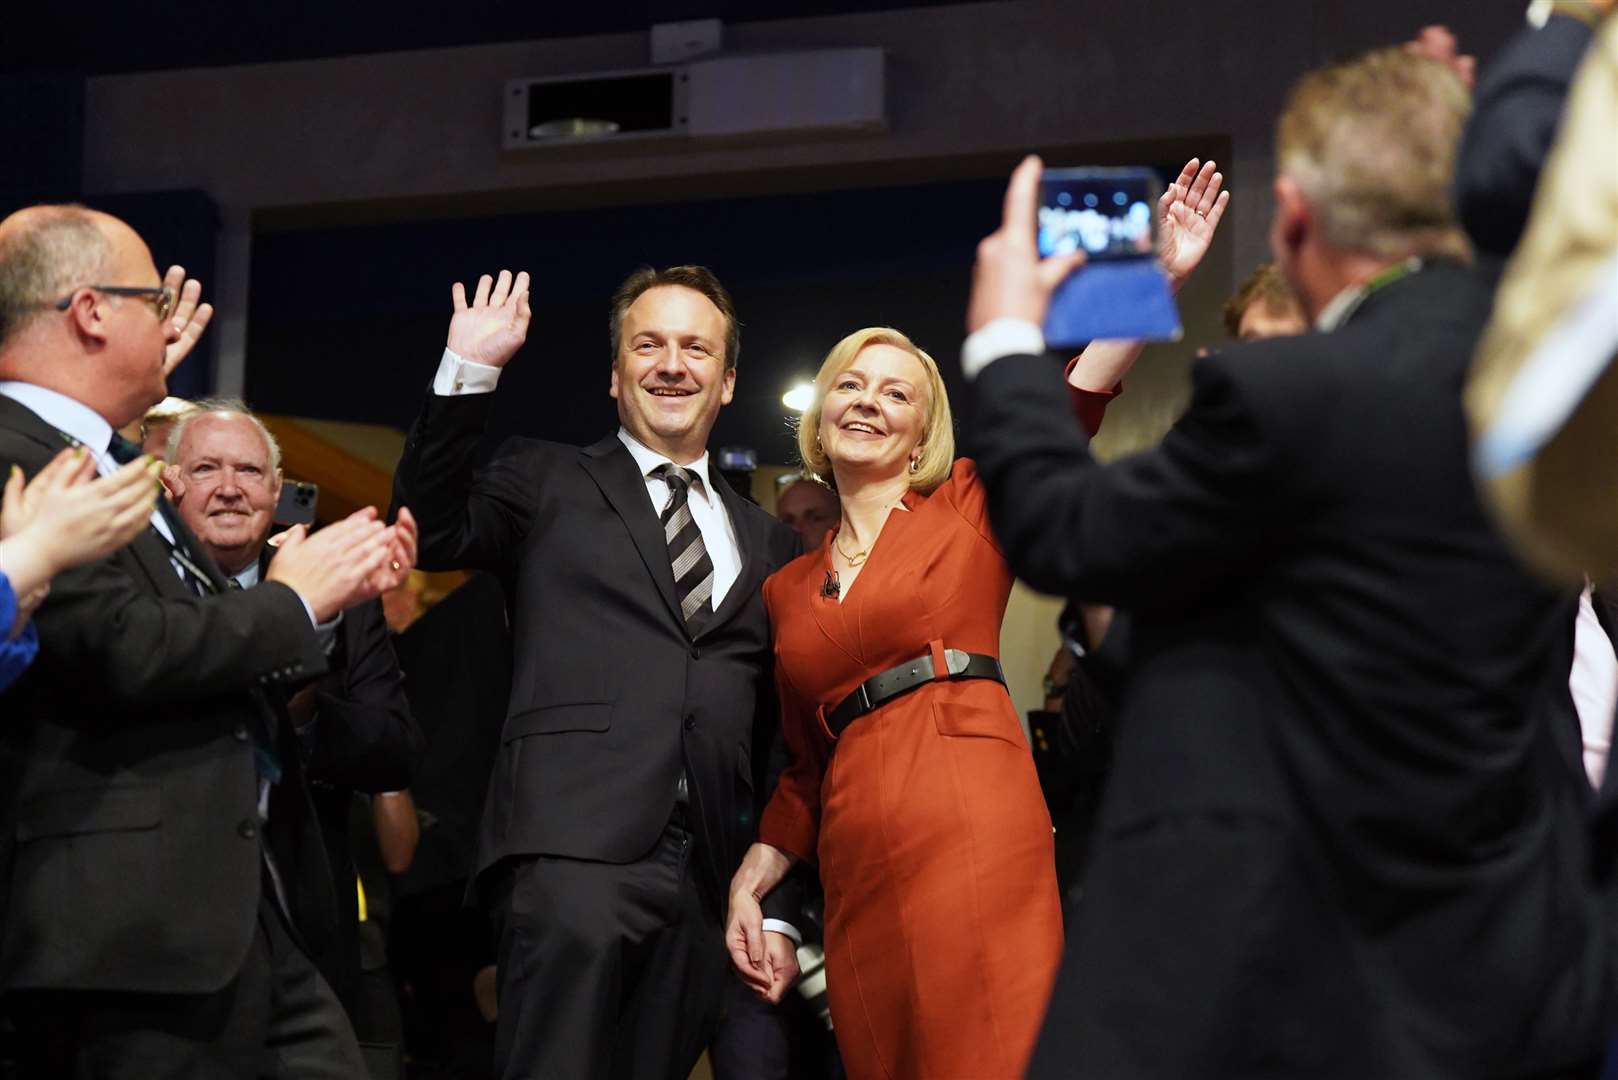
(540, 452)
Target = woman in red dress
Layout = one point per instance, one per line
(924, 814)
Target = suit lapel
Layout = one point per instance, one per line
(613, 470)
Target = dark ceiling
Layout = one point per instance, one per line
(100, 37)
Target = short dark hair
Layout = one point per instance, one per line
(697, 278)
(1266, 286)
(61, 248)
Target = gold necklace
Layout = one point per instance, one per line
(856, 559)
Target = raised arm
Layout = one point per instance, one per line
(1189, 213)
(467, 522)
(1516, 112)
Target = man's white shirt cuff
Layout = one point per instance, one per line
(781, 926)
(1004, 336)
(457, 375)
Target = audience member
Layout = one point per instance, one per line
(164, 882)
(621, 800)
(62, 518)
(353, 724)
(1337, 812)
(808, 508)
(1264, 306)
(152, 430)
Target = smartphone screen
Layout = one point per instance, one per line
(1106, 213)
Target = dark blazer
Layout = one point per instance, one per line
(129, 835)
(611, 695)
(1340, 837)
(1516, 111)
(363, 737)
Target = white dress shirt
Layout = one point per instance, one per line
(1593, 681)
(459, 376)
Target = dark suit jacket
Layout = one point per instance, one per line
(129, 835)
(1340, 837)
(363, 738)
(611, 695)
(1516, 111)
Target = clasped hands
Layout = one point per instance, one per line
(766, 960)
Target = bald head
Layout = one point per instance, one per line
(45, 253)
(62, 329)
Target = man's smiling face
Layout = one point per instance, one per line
(670, 377)
(224, 487)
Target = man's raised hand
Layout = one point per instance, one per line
(494, 325)
(1190, 211)
(189, 317)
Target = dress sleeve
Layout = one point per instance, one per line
(15, 653)
(1089, 405)
(791, 820)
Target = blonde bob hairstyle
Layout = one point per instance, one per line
(937, 444)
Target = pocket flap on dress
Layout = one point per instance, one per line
(955, 718)
(123, 808)
(588, 716)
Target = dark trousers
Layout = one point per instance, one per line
(276, 1019)
(759, 1041)
(607, 971)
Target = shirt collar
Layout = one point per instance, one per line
(647, 459)
(63, 413)
(249, 575)
(1343, 306)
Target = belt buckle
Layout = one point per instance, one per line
(956, 660)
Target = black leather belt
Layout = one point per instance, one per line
(903, 678)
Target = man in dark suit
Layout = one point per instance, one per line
(355, 729)
(622, 797)
(155, 831)
(1341, 837)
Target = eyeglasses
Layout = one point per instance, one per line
(161, 297)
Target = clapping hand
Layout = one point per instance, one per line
(1190, 211)
(347, 563)
(189, 317)
(494, 325)
(66, 516)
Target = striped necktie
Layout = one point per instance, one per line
(688, 555)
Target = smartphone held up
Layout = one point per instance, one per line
(1120, 292)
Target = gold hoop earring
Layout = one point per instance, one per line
(915, 463)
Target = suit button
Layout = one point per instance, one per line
(690, 723)
(240, 734)
(696, 653)
(247, 830)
